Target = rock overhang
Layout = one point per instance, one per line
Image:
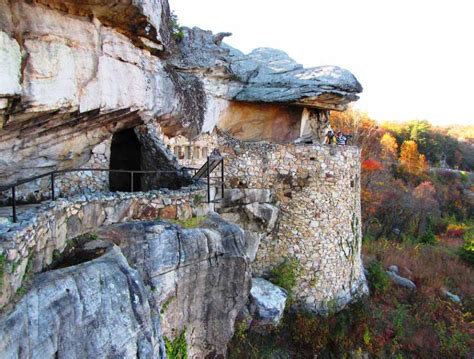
(268, 75)
(140, 20)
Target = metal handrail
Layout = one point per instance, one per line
(53, 173)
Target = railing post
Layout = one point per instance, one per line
(52, 187)
(14, 203)
(131, 181)
(222, 178)
(208, 182)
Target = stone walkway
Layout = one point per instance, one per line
(6, 212)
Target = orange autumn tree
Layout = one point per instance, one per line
(389, 147)
(411, 160)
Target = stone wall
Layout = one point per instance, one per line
(43, 232)
(69, 183)
(317, 189)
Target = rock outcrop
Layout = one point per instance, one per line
(71, 58)
(93, 310)
(268, 75)
(267, 304)
(199, 279)
(74, 74)
(107, 56)
(168, 281)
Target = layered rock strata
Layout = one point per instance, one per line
(168, 281)
(75, 57)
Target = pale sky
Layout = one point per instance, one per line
(414, 58)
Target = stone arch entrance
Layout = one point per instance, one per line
(125, 154)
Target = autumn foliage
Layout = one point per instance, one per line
(416, 190)
(404, 192)
(411, 160)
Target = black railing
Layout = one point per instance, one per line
(203, 172)
(53, 174)
(206, 170)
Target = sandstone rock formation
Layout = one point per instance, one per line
(168, 280)
(269, 75)
(62, 59)
(96, 309)
(199, 279)
(60, 62)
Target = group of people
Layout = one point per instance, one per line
(338, 138)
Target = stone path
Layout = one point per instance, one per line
(21, 210)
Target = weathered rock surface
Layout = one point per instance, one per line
(238, 196)
(199, 278)
(267, 304)
(193, 280)
(255, 211)
(269, 75)
(271, 122)
(401, 281)
(108, 55)
(98, 309)
(75, 57)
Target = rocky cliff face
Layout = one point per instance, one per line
(61, 59)
(155, 280)
(74, 74)
(57, 61)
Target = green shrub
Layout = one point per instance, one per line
(453, 343)
(464, 176)
(177, 348)
(377, 277)
(165, 305)
(466, 252)
(198, 198)
(176, 28)
(285, 275)
(428, 237)
(192, 222)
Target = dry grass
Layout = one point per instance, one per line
(432, 268)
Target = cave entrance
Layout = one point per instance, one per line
(125, 154)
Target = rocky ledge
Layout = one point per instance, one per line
(268, 75)
(152, 280)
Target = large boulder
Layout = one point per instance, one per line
(267, 304)
(199, 278)
(401, 281)
(270, 75)
(155, 281)
(96, 309)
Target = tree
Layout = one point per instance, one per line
(389, 147)
(362, 128)
(410, 159)
(426, 206)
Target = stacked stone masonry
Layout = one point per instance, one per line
(43, 232)
(68, 183)
(317, 189)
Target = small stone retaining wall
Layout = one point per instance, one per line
(317, 189)
(31, 244)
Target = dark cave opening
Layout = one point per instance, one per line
(125, 154)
